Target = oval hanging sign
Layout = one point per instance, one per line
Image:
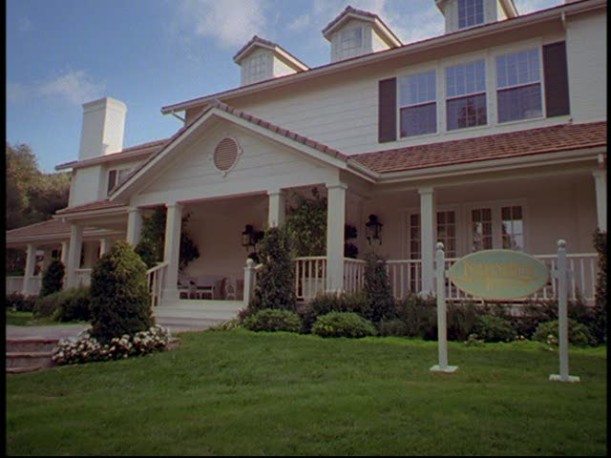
(499, 274)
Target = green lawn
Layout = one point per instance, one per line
(243, 393)
(26, 319)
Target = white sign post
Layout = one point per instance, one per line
(563, 326)
(442, 338)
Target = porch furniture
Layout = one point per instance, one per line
(201, 287)
(234, 288)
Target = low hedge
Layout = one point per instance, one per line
(272, 320)
(68, 305)
(343, 324)
(20, 303)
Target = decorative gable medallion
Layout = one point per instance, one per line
(226, 155)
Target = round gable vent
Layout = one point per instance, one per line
(226, 154)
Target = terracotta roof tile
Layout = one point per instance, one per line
(50, 229)
(97, 205)
(489, 147)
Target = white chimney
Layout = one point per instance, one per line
(103, 127)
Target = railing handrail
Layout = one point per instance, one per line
(160, 265)
(569, 255)
(84, 269)
(310, 258)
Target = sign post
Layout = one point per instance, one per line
(563, 326)
(442, 338)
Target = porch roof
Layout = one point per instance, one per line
(90, 206)
(47, 231)
(490, 147)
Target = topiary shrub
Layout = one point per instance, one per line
(420, 316)
(324, 303)
(491, 328)
(120, 300)
(343, 324)
(48, 306)
(275, 287)
(272, 320)
(20, 303)
(52, 279)
(378, 290)
(578, 333)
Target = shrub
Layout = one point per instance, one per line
(20, 303)
(324, 303)
(120, 302)
(420, 316)
(578, 333)
(532, 314)
(273, 320)
(68, 305)
(599, 322)
(75, 305)
(53, 278)
(343, 324)
(85, 348)
(275, 288)
(491, 328)
(394, 327)
(378, 290)
(461, 320)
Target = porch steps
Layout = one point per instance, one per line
(29, 354)
(184, 315)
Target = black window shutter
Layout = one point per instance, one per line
(112, 180)
(387, 110)
(556, 79)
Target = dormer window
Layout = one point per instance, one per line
(116, 177)
(258, 67)
(470, 13)
(351, 42)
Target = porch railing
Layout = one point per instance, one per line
(82, 277)
(14, 284)
(404, 276)
(310, 276)
(155, 277)
(354, 275)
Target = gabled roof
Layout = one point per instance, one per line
(131, 153)
(306, 145)
(490, 147)
(258, 42)
(352, 13)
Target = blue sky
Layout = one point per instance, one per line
(151, 53)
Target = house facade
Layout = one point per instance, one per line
(492, 135)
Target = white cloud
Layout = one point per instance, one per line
(300, 23)
(74, 87)
(230, 22)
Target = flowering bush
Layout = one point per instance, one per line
(86, 348)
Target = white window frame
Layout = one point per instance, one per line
(517, 49)
(485, 92)
(404, 76)
(497, 234)
(469, 4)
(458, 224)
(257, 67)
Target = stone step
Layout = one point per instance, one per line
(29, 360)
(32, 344)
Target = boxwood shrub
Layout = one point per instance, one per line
(578, 333)
(272, 320)
(71, 304)
(20, 303)
(492, 328)
(343, 324)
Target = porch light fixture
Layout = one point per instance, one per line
(374, 229)
(250, 237)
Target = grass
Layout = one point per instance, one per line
(244, 393)
(27, 319)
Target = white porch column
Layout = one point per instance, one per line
(427, 239)
(276, 212)
(134, 225)
(30, 263)
(105, 244)
(64, 255)
(600, 182)
(74, 254)
(336, 219)
(171, 252)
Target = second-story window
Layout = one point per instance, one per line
(417, 104)
(116, 177)
(466, 95)
(470, 13)
(518, 85)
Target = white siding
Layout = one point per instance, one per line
(263, 165)
(281, 68)
(587, 66)
(85, 186)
